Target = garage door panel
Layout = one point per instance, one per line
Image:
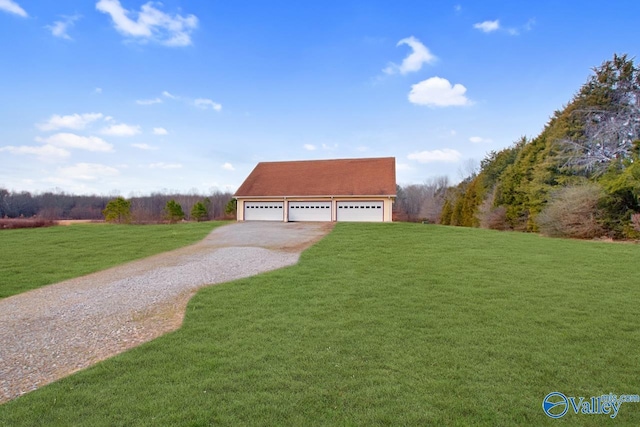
(310, 211)
(360, 211)
(263, 211)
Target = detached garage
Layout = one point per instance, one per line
(319, 190)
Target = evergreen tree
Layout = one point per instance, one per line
(173, 211)
(118, 210)
(231, 207)
(199, 212)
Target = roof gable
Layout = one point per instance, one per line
(340, 177)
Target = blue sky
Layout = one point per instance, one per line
(133, 97)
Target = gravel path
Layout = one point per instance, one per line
(51, 332)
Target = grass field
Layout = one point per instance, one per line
(382, 324)
(31, 258)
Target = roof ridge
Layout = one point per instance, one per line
(328, 160)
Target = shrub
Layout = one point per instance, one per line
(635, 222)
(573, 212)
(632, 230)
(13, 223)
(491, 216)
(494, 218)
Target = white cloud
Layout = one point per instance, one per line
(12, 7)
(228, 166)
(60, 28)
(121, 129)
(207, 103)
(203, 103)
(162, 165)
(44, 152)
(309, 147)
(479, 140)
(446, 155)
(87, 171)
(491, 26)
(438, 92)
(529, 24)
(150, 23)
(149, 101)
(487, 26)
(403, 167)
(70, 140)
(420, 55)
(72, 121)
(144, 146)
(160, 131)
(97, 90)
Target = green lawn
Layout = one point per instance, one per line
(31, 258)
(382, 324)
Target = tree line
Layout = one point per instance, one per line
(579, 178)
(143, 209)
(414, 202)
(421, 202)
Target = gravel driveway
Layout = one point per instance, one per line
(50, 332)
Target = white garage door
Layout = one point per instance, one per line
(309, 211)
(264, 211)
(360, 211)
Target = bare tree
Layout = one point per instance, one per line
(417, 202)
(608, 136)
(435, 191)
(217, 203)
(469, 169)
(3, 194)
(610, 118)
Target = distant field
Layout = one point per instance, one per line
(382, 324)
(31, 258)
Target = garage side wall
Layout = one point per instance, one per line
(240, 210)
(388, 207)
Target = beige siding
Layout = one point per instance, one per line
(240, 210)
(388, 207)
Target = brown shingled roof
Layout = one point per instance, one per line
(341, 177)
